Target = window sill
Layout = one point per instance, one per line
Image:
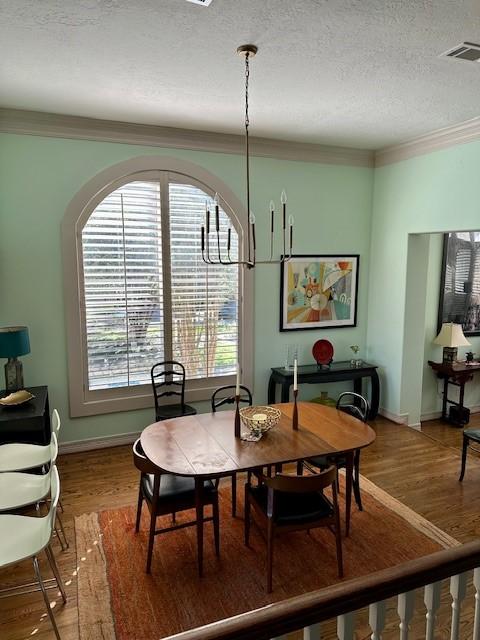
(133, 398)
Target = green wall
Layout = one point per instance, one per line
(38, 178)
(437, 192)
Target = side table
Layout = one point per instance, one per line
(28, 422)
(455, 374)
(336, 372)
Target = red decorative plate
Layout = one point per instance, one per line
(323, 351)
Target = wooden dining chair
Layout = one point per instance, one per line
(168, 379)
(470, 435)
(291, 503)
(167, 493)
(358, 407)
(220, 397)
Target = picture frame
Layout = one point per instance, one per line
(459, 300)
(319, 291)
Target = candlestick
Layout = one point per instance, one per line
(237, 384)
(295, 376)
(237, 416)
(295, 411)
(283, 199)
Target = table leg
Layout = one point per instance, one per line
(348, 490)
(271, 390)
(357, 385)
(375, 399)
(199, 510)
(444, 400)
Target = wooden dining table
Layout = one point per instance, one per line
(204, 446)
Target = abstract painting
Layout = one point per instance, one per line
(319, 292)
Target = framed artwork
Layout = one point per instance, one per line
(319, 292)
(460, 281)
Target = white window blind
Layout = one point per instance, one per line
(204, 297)
(142, 307)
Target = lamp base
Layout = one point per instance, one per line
(13, 375)
(449, 355)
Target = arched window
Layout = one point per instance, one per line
(145, 295)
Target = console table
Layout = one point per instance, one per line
(456, 374)
(27, 422)
(336, 372)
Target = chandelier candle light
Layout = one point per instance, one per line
(248, 259)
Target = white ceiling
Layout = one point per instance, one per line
(362, 73)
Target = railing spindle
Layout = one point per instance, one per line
(476, 620)
(345, 626)
(376, 619)
(312, 632)
(432, 602)
(405, 607)
(458, 588)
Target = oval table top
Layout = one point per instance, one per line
(205, 444)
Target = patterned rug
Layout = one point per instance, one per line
(118, 601)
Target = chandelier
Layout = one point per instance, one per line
(216, 254)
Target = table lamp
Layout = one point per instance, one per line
(450, 337)
(14, 342)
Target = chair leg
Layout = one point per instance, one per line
(247, 516)
(139, 508)
(464, 457)
(300, 468)
(151, 536)
(270, 536)
(338, 533)
(338, 541)
(234, 495)
(338, 482)
(356, 481)
(153, 521)
(45, 596)
(216, 525)
(174, 517)
(59, 537)
(62, 530)
(56, 572)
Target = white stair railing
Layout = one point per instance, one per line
(306, 612)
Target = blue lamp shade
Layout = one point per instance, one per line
(14, 342)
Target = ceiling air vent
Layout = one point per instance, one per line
(467, 51)
(205, 3)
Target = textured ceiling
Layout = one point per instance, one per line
(362, 73)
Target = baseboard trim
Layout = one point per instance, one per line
(435, 415)
(401, 418)
(89, 444)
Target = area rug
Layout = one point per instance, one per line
(118, 601)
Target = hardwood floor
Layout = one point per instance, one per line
(419, 468)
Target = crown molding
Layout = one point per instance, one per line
(79, 128)
(461, 133)
(62, 126)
